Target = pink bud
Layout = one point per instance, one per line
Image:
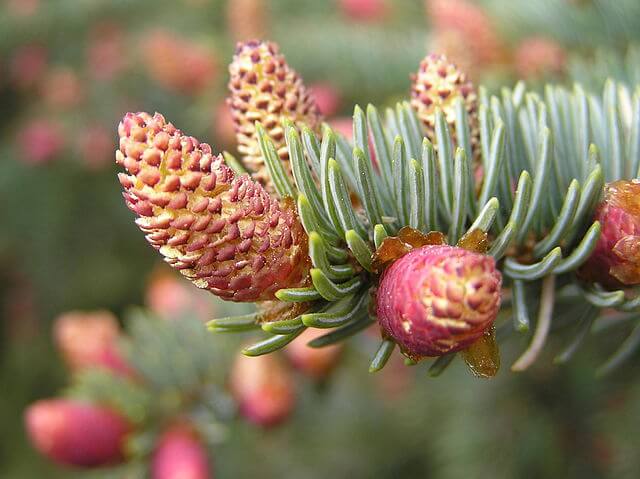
(615, 261)
(40, 141)
(105, 51)
(327, 97)
(172, 297)
(314, 362)
(73, 433)
(177, 63)
(95, 146)
(438, 299)
(180, 454)
(62, 89)
(223, 125)
(538, 56)
(89, 339)
(22, 8)
(27, 66)
(364, 10)
(263, 389)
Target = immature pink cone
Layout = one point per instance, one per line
(223, 232)
(316, 363)
(615, 262)
(177, 63)
(365, 10)
(247, 18)
(40, 141)
(74, 433)
(90, 340)
(170, 296)
(465, 33)
(438, 84)
(180, 454)
(263, 88)
(263, 388)
(438, 299)
(538, 56)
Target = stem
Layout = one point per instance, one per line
(542, 326)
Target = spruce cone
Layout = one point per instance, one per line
(465, 33)
(264, 89)
(263, 388)
(316, 363)
(438, 84)
(438, 299)
(90, 340)
(76, 434)
(225, 233)
(180, 454)
(615, 262)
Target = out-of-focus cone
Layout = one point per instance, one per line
(464, 32)
(89, 340)
(27, 65)
(263, 388)
(537, 57)
(74, 433)
(180, 454)
(106, 53)
(62, 89)
(316, 363)
(22, 8)
(177, 63)
(172, 297)
(364, 10)
(247, 19)
(327, 98)
(40, 141)
(223, 126)
(95, 146)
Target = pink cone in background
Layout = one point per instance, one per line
(40, 141)
(74, 433)
(62, 88)
(95, 146)
(27, 65)
(536, 57)
(263, 388)
(177, 63)
(327, 97)
(316, 363)
(364, 10)
(180, 454)
(89, 339)
(171, 297)
(465, 33)
(223, 126)
(105, 51)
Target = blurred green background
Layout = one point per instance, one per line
(69, 70)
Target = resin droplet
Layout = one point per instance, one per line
(395, 247)
(475, 240)
(483, 356)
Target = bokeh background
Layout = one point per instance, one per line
(69, 70)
